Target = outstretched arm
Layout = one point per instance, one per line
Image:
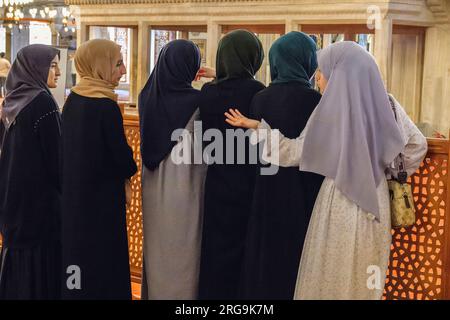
(278, 149)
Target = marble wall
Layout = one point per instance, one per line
(435, 107)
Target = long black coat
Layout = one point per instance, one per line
(30, 199)
(228, 194)
(97, 161)
(282, 203)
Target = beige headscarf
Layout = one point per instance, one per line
(95, 61)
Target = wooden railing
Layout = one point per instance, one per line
(420, 261)
(420, 257)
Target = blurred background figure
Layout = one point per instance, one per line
(5, 65)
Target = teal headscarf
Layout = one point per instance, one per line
(240, 55)
(293, 58)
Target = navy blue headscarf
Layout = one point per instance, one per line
(168, 100)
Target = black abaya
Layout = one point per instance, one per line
(97, 161)
(228, 194)
(282, 203)
(30, 193)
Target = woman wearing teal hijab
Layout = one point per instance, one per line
(228, 202)
(283, 203)
(293, 59)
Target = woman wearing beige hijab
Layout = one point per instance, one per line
(97, 162)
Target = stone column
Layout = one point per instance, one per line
(19, 39)
(143, 53)
(435, 108)
(327, 40)
(383, 48)
(290, 25)
(214, 34)
(8, 45)
(82, 36)
(55, 35)
(134, 60)
(82, 33)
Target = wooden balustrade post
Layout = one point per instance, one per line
(446, 246)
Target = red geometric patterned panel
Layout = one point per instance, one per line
(134, 211)
(417, 260)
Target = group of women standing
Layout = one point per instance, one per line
(312, 230)
(219, 230)
(62, 185)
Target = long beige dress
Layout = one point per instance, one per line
(172, 219)
(346, 251)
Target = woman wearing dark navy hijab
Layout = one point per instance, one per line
(283, 202)
(172, 190)
(229, 186)
(30, 188)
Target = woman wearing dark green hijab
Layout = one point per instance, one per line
(239, 56)
(229, 186)
(282, 203)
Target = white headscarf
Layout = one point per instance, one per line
(352, 137)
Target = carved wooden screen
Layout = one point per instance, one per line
(134, 211)
(419, 262)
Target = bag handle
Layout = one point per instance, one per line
(402, 174)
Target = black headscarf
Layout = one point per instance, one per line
(168, 100)
(27, 79)
(240, 55)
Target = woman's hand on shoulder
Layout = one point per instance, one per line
(236, 119)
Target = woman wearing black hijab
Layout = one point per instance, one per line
(172, 192)
(227, 202)
(283, 202)
(30, 188)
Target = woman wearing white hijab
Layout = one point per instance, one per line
(352, 138)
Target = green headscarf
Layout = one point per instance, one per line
(240, 55)
(293, 58)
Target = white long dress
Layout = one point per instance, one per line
(346, 251)
(172, 221)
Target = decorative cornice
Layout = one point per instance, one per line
(439, 8)
(430, 11)
(100, 2)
